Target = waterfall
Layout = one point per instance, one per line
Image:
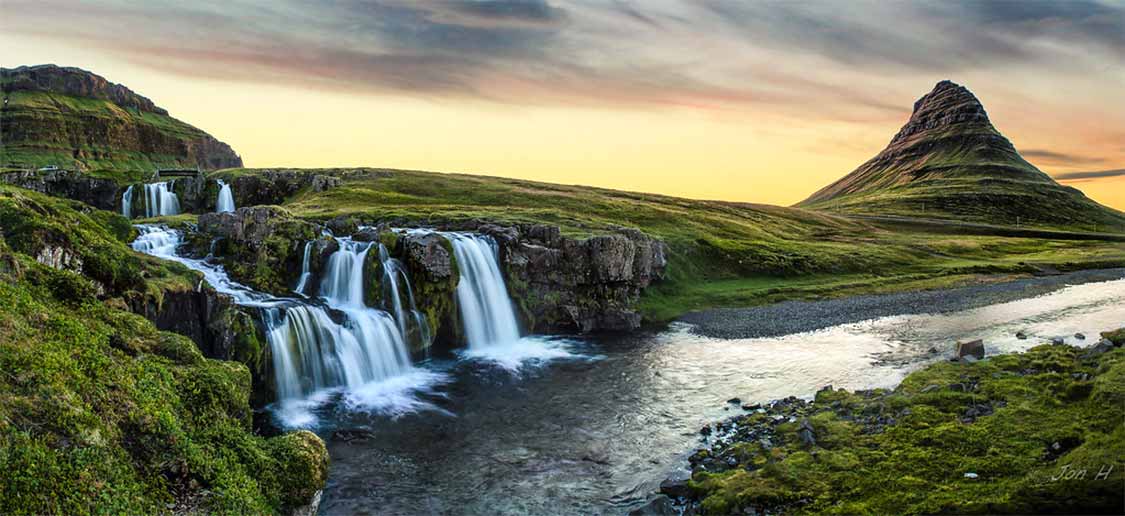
(127, 202)
(392, 297)
(305, 272)
(317, 348)
(161, 200)
(226, 198)
(486, 309)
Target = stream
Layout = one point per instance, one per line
(596, 432)
(557, 425)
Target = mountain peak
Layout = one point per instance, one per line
(949, 161)
(948, 104)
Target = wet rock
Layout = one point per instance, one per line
(1097, 349)
(367, 234)
(806, 434)
(751, 406)
(1058, 341)
(973, 348)
(676, 488)
(1021, 335)
(734, 401)
(1080, 336)
(659, 505)
(429, 253)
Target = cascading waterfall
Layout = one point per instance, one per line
(486, 309)
(161, 200)
(226, 198)
(392, 298)
(127, 203)
(305, 272)
(317, 348)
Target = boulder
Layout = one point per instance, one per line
(260, 246)
(659, 505)
(429, 253)
(973, 348)
(676, 487)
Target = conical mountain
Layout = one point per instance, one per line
(948, 161)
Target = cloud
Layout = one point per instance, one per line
(1049, 157)
(1090, 174)
(803, 58)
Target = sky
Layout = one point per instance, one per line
(734, 100)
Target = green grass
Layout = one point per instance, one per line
(917, 465)
(43, 128)
(101, 413)
(722, 253)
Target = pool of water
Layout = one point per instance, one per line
(593, 425)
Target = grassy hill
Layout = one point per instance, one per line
(74, 119)
(723, 253)
(948, 161)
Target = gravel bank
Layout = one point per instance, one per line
(800, 316)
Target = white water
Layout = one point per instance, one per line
(393, 272)
(161, 200)
(320, 352)
(127, 203)
(486, 309)
(487, 312)
(226, 198)
(305, 272)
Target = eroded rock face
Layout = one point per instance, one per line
(274, 186)
(564, 284)
(260, 246)
(99, 193)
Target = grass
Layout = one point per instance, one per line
(101, 413)
(919, 450)
(43, 128)
(722, 253)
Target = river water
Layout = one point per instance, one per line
(592, 426)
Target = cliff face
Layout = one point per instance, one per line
(949, 161)
(72, 118)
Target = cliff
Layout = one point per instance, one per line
(71, 118)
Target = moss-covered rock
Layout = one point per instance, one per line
(102, 413)
(1010, 434)
(260, 246)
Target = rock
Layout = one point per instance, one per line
(751, 406)
(429, 253)
(99, 193)
(1097, 349)
(806, 434)
(1058, 341)
(322, 182)
(1080, 336)
(1117, 337)
(659, 505)
(367, 234)
(675, 488)
(311, 509)
(343, 225)
(973, 348)
(1021, 335)
(260, 246)
(734, 401)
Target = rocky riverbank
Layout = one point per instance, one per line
(1041, 431)
(790, 317)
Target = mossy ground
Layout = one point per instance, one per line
(1010, 434)
(722, 253)
(102, 413)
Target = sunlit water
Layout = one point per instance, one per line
(593, 426)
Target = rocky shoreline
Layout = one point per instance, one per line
(790, 317)
(796, 455)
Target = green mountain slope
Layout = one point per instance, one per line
(948, 161)
(74, 119)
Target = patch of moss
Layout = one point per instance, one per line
(1010, 434)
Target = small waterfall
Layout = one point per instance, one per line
(314, 347)
(486, 309)
(392, 297)
(161, 200)
(127, 203)
(226, 198)
(305, 272)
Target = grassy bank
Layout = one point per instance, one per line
(1010, 434)
(723, 253)
(101, 413)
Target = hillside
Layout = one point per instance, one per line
(722, 253)
(948, 161)
(74, 119)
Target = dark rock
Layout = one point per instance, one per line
(367, 234)
(1021, 335)
(1058, 341)
(973, 348)
(806, 434)
(676, 488)
(103, 194)
(659, 505)
(734, 401)
(428, 253)
(1097, 349)
(751, 406)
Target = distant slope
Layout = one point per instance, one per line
(72, 118)
(948, 161)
